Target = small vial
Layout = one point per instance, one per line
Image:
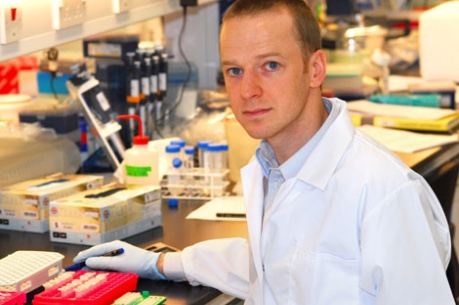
(202, 148)
(188, 169)
(224, 148)
(214, 157)
(189, 157)
(172, 153)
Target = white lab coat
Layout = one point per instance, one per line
(355, 226)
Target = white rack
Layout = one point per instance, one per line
(195, 184)
(24, 271)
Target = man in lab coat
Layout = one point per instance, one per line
(333, 217)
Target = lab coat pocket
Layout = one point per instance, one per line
(323, 278)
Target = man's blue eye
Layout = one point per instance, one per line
(272, 65)
(234, 71)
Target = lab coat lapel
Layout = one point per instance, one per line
(252, 182)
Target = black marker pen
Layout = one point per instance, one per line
(230, 215)
(78, 266)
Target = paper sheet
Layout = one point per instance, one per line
(233, 205)
(407, 141)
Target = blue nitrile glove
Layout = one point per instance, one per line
(134, 259)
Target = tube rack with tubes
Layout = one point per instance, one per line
(24, 271)
(196, 183)
(12, 298)
(86, 287)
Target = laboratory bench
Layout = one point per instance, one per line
(176, 232)
(439, 166)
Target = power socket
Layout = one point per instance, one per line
(120, 6)
(10, 22)
(68, 13)
(189, 2)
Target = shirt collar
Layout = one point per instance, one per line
(289, 169)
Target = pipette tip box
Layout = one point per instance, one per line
(24, 271)
(110, 212)
(24, 205)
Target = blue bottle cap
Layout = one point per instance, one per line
(189, 150)
(224, 146)
(176, 162)
(172, 149)
(173, 202)
(203, 144)
(214, 147)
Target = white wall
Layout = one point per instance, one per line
(199, 42)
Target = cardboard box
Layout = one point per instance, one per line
(24, 205)
(100, 215)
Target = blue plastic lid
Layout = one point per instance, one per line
(214, 147)
(203, 144)
(224, 146)
(172, 149)
(189, 150)
(180, 143)
(173, 202)
(177, 162)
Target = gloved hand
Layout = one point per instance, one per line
(134, 259)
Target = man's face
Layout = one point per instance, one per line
(266, 76)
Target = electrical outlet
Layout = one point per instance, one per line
(120, 6)
(67, 13)
(10, 22)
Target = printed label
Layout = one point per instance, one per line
(90, 227)
(30, 215)
(91, 214)
(103, 102)
(32, 201)
(138, 171)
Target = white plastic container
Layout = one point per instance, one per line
(140, 161)
(439, 42)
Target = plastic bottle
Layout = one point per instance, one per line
(140, 161)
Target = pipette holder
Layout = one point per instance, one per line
(86, 89)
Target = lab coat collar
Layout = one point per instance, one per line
(319, 167)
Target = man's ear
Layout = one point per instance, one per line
(317, 66)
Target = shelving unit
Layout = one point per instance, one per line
(38, 32)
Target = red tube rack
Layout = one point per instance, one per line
(88, 288)
(12, 298)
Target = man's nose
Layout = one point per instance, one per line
(250, 86)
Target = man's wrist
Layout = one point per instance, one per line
(160, 264)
